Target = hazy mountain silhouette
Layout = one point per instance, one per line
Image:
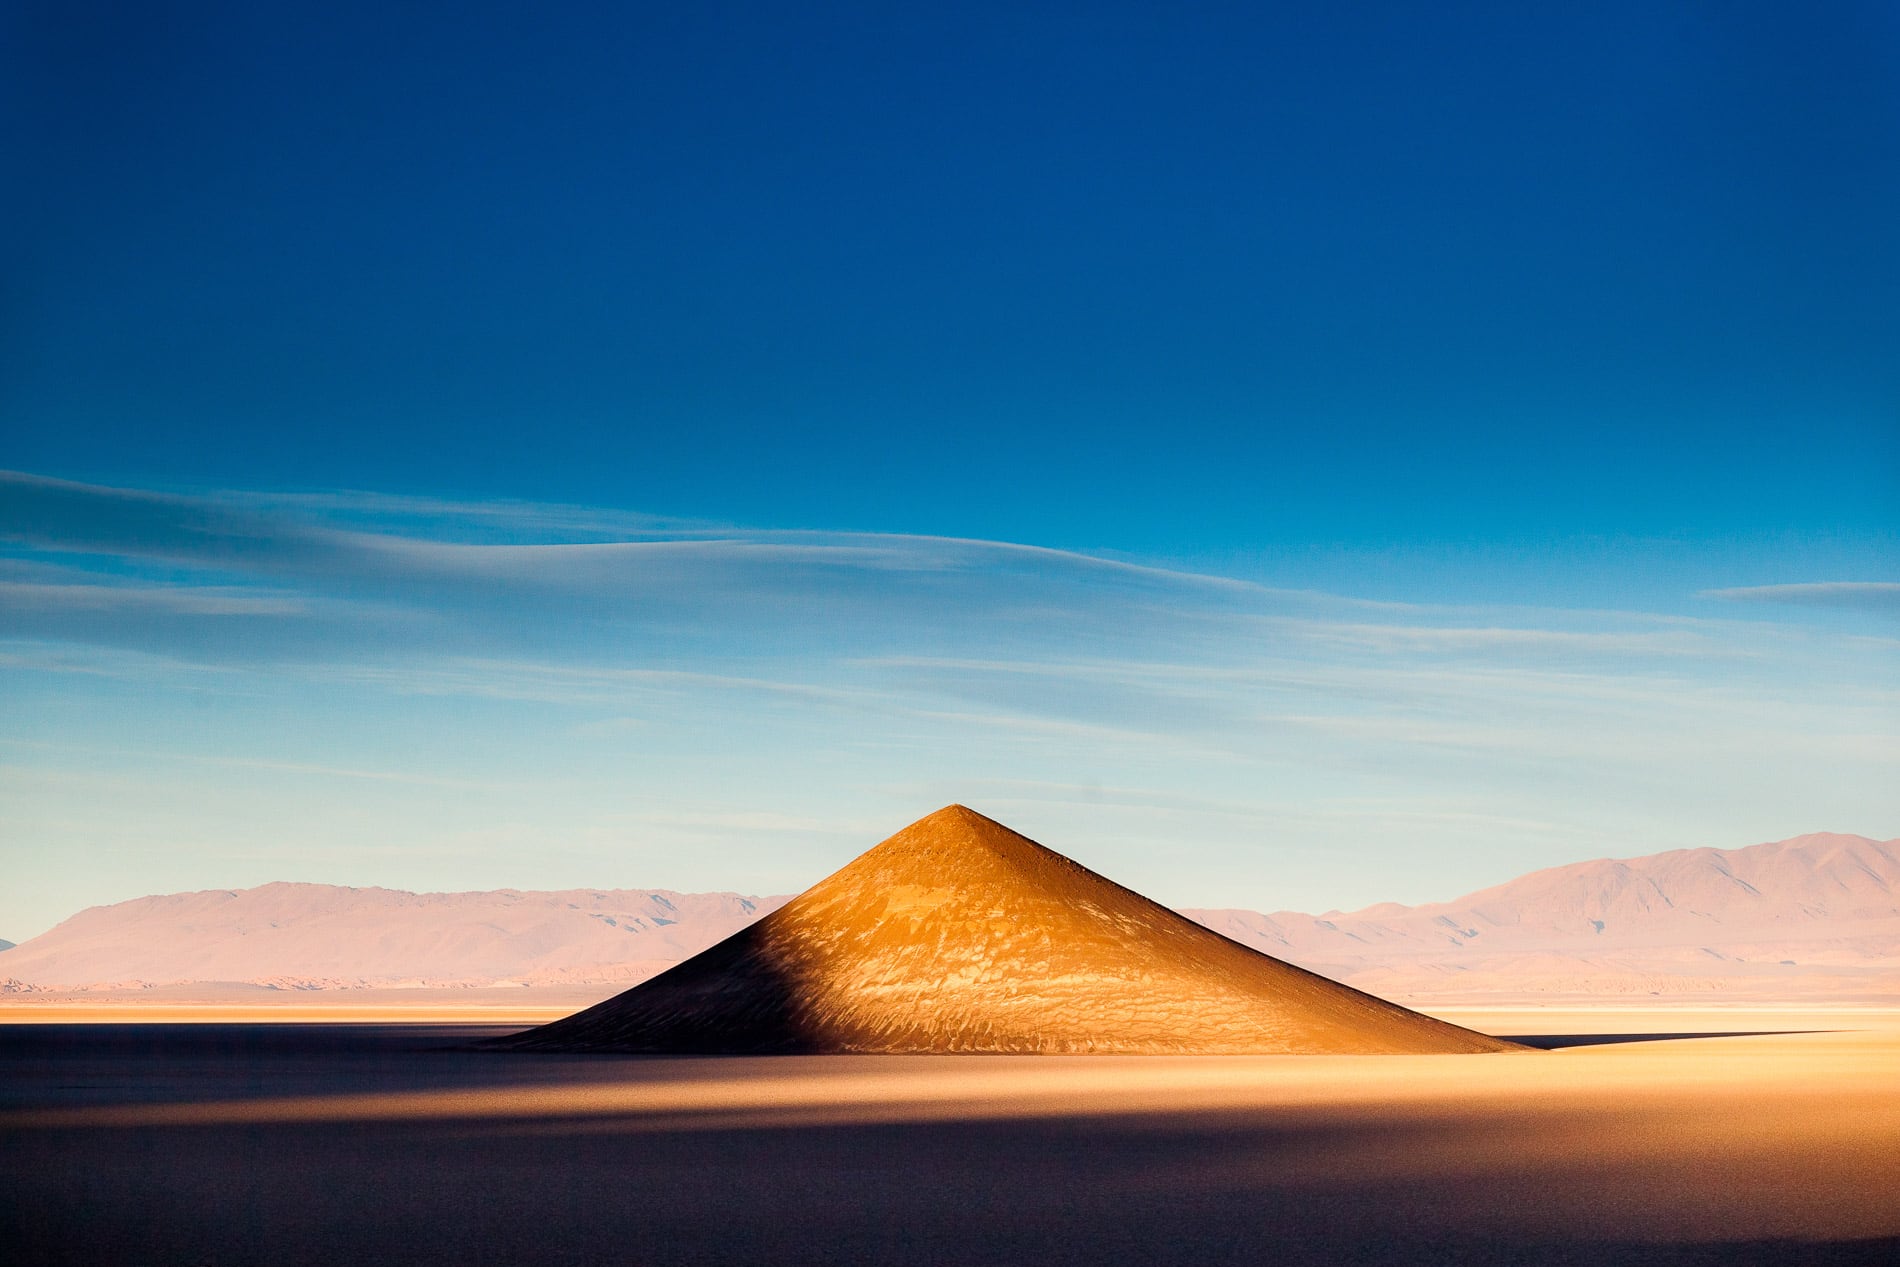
(1815, 917)
(313, 935)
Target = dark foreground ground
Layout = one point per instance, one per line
(307, 1144)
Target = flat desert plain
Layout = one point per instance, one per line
(1654, 1137)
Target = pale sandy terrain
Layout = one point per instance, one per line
(295, 1144)
(394, 1007)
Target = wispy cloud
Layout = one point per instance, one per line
(21, 598)
(591, 684)
(1486, 640)
(288, 535)
(243, 763)
(568, 684)
(1877, 596)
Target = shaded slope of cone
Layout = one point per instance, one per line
(959, 935)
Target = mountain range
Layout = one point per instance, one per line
(1816, 916)
(318, 936)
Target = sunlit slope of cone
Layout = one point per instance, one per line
(959, 935)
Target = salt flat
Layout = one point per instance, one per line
(308, 1143)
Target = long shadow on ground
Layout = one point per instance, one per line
(1206, 1191)
(1551, 1042)
(1297, 1186)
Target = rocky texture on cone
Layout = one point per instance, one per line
(959, 935)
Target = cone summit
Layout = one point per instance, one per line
(959, 935)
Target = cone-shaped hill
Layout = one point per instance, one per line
(958, 935)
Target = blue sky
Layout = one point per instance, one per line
(1287, 459)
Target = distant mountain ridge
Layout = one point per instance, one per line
(313, 936)
(1816, 910)
(1807, 917)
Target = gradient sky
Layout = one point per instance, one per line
(1285, 459)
